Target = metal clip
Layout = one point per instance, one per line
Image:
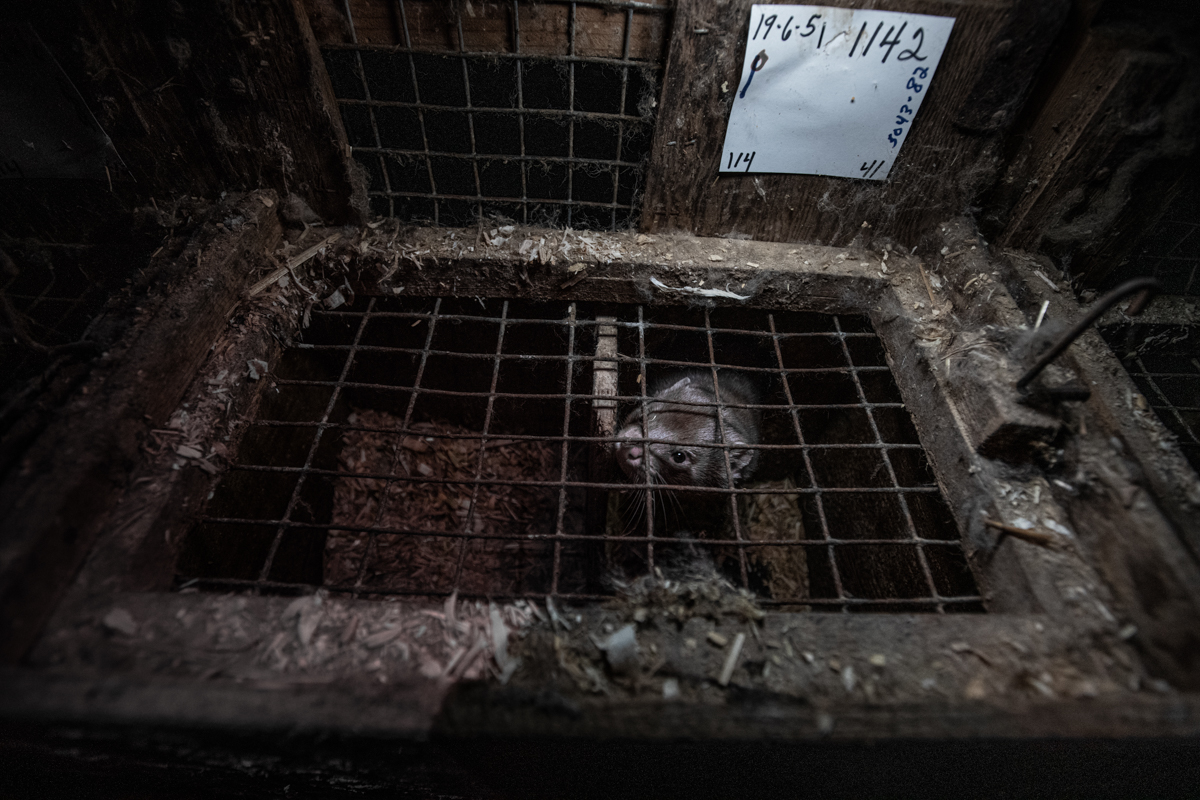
(1148, 287)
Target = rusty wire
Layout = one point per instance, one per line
(826, 538)
(617, 205)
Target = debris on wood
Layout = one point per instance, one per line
(121, 621)
(506, 663)
(697, 291)
(697, 590)
(256, 368)
(1031, 535)
(1044, 277)
(292, 263)
(849, 678)
(556, 619)
(567, 284)
(732, 659)
(621, 650)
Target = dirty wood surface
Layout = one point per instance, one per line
(72, 472)
(365, 652)
(1137, 512)
(949, 158)
(433, 26)
(1098, 164)
(207, 98)
(986, 684)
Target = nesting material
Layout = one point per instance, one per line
(776, 518)
(695, 590)
(394, 556)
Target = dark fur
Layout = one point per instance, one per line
(684, 430)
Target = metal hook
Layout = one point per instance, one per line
(1148, 287)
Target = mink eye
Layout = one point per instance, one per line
(679, 456)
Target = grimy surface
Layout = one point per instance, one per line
(951, 155)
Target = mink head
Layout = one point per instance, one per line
(684, 432)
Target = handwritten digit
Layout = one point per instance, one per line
(761, 17)
(730, 164)
(861, 31)
(900, 120)
(912, 84)
(810, 29)
(898, 132)
(821, 38)
(893, 141)
(921, 72)
(758, 63)
(770, 23)
(891, 43)
(872, 41)
(910, 55)
(786, 33)
(905, 110)
(873, 172)
(749, 159)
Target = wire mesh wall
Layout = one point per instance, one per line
(1164, 362)
(427, 446)
(51, 298)
(1170, 249)
(537, 112)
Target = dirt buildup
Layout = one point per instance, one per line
(694, 588)
(421, 481)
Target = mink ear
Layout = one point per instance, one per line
(679, 384)
(741, 463)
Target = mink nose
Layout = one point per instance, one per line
(630, 455)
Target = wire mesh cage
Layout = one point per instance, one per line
(535, 112)
(1164, 362)
(49, 300)
(1170, 248)
(431, 446)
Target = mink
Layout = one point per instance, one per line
(684, 433)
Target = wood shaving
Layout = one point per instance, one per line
(508, 563)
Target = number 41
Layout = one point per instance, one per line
(869, 170)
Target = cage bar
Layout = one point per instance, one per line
(837, 415)
(593, 182)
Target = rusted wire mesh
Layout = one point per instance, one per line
(425, 446)
(1164, 362)
(538, 112)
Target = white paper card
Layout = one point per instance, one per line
(830, 91)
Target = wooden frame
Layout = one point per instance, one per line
(1051, 607)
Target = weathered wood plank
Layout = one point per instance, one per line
(205, 98)
(69, 477)
(489, 27)
(1098, 164)
(1132, 501)
(477, 711)
(942, 168)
